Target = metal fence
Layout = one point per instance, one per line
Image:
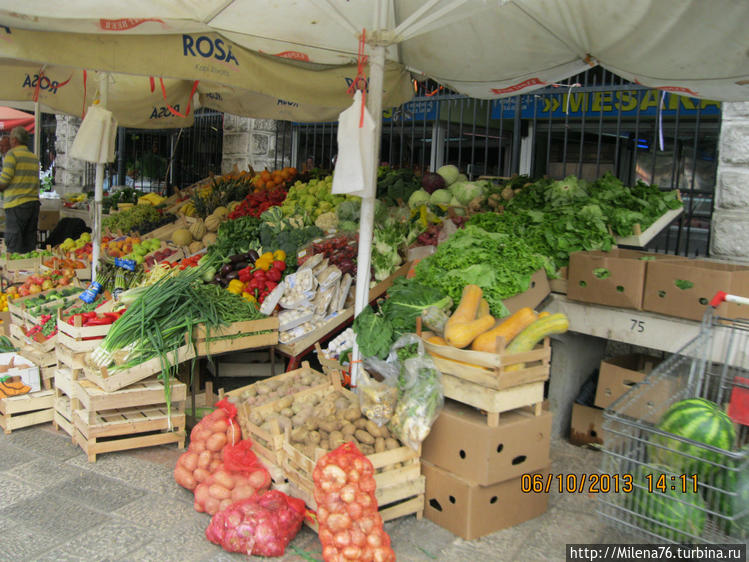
(594, 124)
(158, 160)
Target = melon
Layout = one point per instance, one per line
(198, 230)
(700, 421)
(182, 237)
(731, 499)
(195, 247)
(212, 222)
(221, 212)
(209, 239)
(673, 515)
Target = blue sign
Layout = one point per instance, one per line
(609, 104)
(411, 111)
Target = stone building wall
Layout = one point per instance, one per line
(69, 172)
(251, 142)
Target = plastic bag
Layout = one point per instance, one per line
(420, 397)
(435, 319)
(239, 477)
(350, 525)
(262, 525)
(378, 399)
(207, 441)
(354, 166)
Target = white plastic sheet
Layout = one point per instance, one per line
(356, 149)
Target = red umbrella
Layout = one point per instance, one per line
(10, 118)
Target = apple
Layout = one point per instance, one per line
(47, 285)
(23, 292)
(35, 289)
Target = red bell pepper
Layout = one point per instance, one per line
(103, 321)
(279, 265)
(273, 275)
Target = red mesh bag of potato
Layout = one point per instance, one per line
(262, 525)
(350, 525)
(207, 441)
(239, 477)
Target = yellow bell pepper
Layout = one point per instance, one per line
(267, 256)
(264, 263)
(279, 255)
(248, 297)
(235, 286)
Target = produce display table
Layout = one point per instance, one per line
(577, 353)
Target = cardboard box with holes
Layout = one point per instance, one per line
(474, 471)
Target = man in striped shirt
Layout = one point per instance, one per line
(19, 183)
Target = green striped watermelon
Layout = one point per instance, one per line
(732, 501)
(677, 515)
(699, 420)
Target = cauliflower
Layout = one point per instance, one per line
(327, 221)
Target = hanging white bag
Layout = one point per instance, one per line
(95, 139)
(354, 167)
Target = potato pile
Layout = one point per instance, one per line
(326, 421)
(268, 390)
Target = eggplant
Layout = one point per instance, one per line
(232, 275)
(217, 278)
(252, 256)
(240, 265)
(226, 269)
(236, 258)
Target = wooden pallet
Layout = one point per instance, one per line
(25, 410)
(128, 428)
(400, 485)
(269, 445)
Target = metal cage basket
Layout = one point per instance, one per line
(670, 488)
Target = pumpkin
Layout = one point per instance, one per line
(195, 247)
(221, 212)
(507, 329)
(463, 326)
(182, 237)
(212, 222)
(209, 239)
(198, 230)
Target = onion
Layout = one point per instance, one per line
(342, 539)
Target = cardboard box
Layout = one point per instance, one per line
(586, 426)
(617, 375)
(684, 287)
(538, 290)
(461, 442)
(23, 368)
(615, 278)
(470, 510)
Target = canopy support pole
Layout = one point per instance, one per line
(98, 187)
(37, 131)
(366, 225)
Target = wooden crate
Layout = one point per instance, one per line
(400, 485)
(25, 410)
(493, 382)
(63, 414)
(20, 339)
(18, 310)
(331, 367)
(144, 393)
(269, 445)
(238, 336)
(128, 428)
(165, 232)
(78, 338)
(70, 359)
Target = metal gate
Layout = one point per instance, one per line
(593, 124)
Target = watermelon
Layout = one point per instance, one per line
(701, 421)
(673, 514)
(732, 501)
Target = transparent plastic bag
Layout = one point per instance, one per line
(420, 397)
(378, 398)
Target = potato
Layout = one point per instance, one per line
(263, 389)
(364, 437)
(391, 444)
(256, 417)
(288, 412)
(373, 429)
(250, 392)
(367, 449)
(326, 409)
(341, 403)
(385, 432)
(351, 414)
(347, 429)
(285, 402)
(312, 423)
(335, 439)
(309, 451)
(361, 423)
(299, 435)
(324, 444)
(328, 425)
(284, 423)
(313, 438)
(379, 445)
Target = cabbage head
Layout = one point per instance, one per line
(418, 198)
(440, 197)
(449, 173)
(466, 191)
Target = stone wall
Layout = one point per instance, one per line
(69, 172)
(251, 142)
(730, 230)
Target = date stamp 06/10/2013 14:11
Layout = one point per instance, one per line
(605, 483)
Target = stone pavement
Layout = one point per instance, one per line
(56, 506)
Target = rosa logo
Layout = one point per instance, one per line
(206, 47)
(162, 112)
(350, 81)
(517, 87)
(43, 83)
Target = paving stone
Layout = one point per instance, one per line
(417, 539)
(504, 543)
(11, 456)
(54, 514)
(21, 542)
(97, 492)
(165, 548)
(155, 511)
(45, 443)
(43, 473)
(12, 490)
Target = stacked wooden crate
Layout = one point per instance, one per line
(400, 485)
(492, 433)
